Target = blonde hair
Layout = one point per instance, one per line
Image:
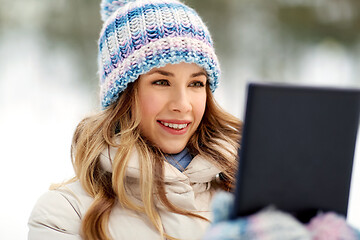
(117, 126)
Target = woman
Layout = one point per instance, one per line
(148, 164)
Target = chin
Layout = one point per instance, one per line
(172, 150)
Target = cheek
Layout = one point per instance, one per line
(149, 106)
(199, 107)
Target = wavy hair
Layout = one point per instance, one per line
(118, 126)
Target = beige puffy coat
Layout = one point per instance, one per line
(58, 213)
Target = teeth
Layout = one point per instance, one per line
(174, 125)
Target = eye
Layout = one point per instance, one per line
(197, 84)
(161, 82)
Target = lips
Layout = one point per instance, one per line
(176, 125)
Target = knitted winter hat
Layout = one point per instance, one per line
(140, 35)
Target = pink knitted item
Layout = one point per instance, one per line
(330, 226)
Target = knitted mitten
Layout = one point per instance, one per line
(330, 226)
(269, 224)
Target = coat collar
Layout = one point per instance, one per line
(200, 170)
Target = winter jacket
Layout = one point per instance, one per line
(58, 213)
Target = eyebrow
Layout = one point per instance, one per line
(199, 74)
(170, 74)
(162, 72)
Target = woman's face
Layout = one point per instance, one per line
(172, 103)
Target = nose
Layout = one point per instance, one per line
(180, 100)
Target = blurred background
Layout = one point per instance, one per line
(49, 81)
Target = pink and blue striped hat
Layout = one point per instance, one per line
(139, 35)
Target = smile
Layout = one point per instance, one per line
(174, 125)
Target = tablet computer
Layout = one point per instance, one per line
(297, 149)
